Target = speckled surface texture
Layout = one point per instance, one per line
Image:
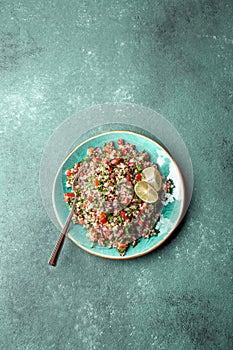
(57, 57)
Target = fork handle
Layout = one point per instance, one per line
(61, 238)
(57, 249)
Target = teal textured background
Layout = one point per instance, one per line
(57, 57)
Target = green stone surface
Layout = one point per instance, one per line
(58, 57)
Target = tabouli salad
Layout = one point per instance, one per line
(119, 195)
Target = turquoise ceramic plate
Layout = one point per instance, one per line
(170, 215)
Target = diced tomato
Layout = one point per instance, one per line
(81, 221)
(105, 161)
(96, 182)
(103, 218)
(77, 166)
(68, 172)
(90, 150)
(69, 195)
(138, 177)
(123, 245)
(123, 214)
(120, 142)
(110, 170)
(129, 183)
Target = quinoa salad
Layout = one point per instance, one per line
(107, 204)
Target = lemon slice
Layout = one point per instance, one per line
(152, 176)
(146, 192)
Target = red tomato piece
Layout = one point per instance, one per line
(120, 142)
(69, 195)
(103, 218)
(123, 245)
(138, 177)
(68, 172)
(123, 214)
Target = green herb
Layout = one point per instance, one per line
(110, 217)
(120, 219)
(122, 251)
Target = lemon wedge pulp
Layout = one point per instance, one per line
(146, 192)
(152, 176)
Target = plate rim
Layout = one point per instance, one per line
(125, 257)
